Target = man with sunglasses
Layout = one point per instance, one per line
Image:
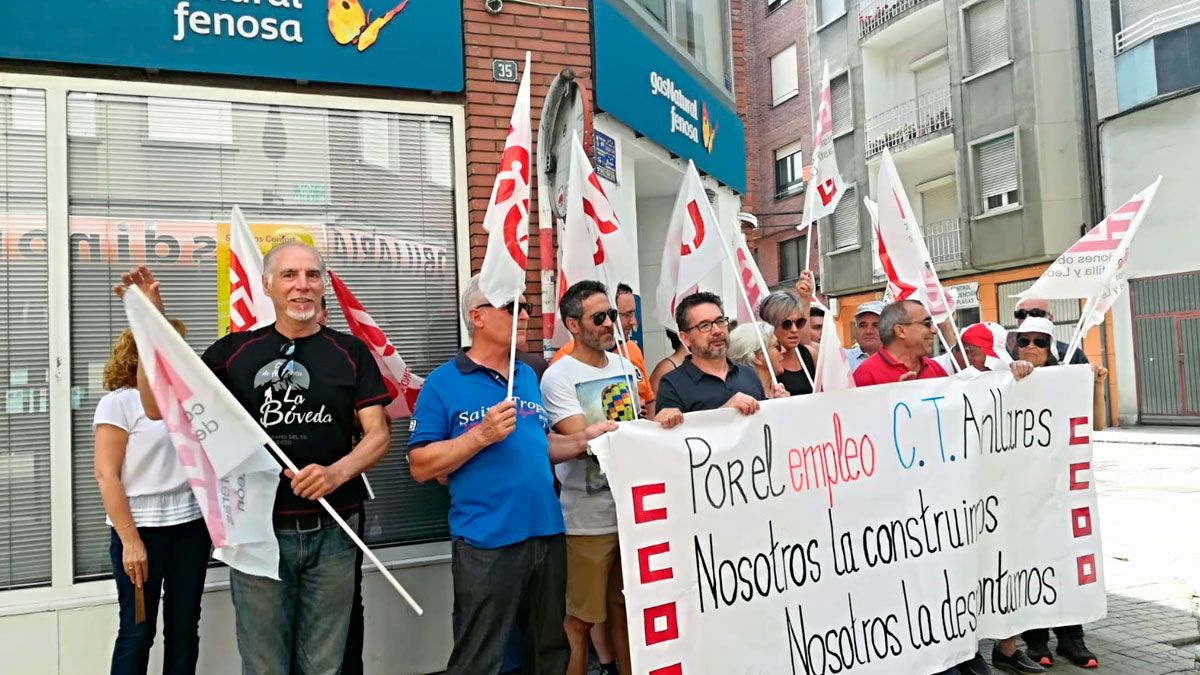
(707, 380)
(591, 385)
(1040, 309)
(906, 332)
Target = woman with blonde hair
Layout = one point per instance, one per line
(746, 350)
(159, 540)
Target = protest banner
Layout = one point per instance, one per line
(880, 530)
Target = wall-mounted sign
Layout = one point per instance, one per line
(647, 86)
(604, 156)
(966, 296)
(412, 44)
(504, 70)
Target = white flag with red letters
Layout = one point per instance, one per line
(692, 249)
(502, 278)
(826, 185)
(249, 305)
(749, 276)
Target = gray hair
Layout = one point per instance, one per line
(744, 344)
(472, 296)
(269, 258)
(778, 306)
(893, 315)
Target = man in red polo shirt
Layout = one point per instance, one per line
(906, 331)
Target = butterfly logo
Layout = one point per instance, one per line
(708, 130)
(349, 24)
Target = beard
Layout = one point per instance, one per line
(301, 316)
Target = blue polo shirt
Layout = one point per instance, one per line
(505, 493)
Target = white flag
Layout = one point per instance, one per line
(502, 278)
(249, 305)
(826, 186)
(692, 248)
(749, 277)
(222, 449)
(1088, 268)
(833, 370)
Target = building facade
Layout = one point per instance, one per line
(1147, 90)
(122, 144)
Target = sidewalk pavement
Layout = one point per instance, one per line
(1139, 435)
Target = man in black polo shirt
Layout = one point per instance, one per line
(707, 379)
(306, 385)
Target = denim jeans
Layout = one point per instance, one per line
(178, 559)
(298, 623)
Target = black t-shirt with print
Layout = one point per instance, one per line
(306, 406)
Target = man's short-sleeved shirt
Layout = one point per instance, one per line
(689, 389)
(505, 493)
(635, 356)
(306, 402)
(855, 357)
(881, 368)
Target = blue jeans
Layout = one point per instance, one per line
(178, 559)
(298, 623)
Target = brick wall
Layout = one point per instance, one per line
(771, 127)
(558, 38)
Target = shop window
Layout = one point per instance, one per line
(997, 174)
(25, 552)
(172, 120)
(699, 28)
(845, 221)
(785, 83)
(791, 258)
(297, 170)
(789, 171)
(656, 8)
(841, 107)
(986, 35)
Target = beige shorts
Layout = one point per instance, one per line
(593, 576)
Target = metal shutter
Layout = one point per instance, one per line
(845, 221)
(997, 166)
(24, 346)
(367, 182)
(987, 34)
(840, 106)
(784, 75)
(831, 9)
(1133, 11)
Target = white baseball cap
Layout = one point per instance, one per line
(1036, 324)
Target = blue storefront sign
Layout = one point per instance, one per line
(644, 84)
(410, 44)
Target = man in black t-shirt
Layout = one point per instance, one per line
(306, 385)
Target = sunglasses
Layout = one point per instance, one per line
(599, 318)
(526, 307)
(707, 326)
(1020, 314)
(788, 324)
(928, 323)
(288, 351)
(1040, 343)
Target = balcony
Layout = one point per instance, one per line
(943, 239)
(909, 121)
(875, 14)
(1162, 21)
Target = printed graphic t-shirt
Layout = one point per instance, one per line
(571, 387)
(306, 402)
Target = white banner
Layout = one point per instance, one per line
(880, 530)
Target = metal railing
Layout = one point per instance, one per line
(1162, 21)
(875, 14)
(943, 238)
(910, 120)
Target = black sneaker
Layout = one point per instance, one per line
(976, 666)
(609, 669)
(1019, 662)
(1077, 652)
(1039, 652)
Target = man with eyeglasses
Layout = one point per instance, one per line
(307, 386)
(707, 380)
(906, 332)
(1040, 309)
(591, 385)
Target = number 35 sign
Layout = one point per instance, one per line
(504, 70)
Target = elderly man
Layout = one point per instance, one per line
(866, 333)
(707, 379)
(1032, 307)
(906, 332)
(334, 389)
(505, 522)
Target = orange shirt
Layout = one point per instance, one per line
(631, 352)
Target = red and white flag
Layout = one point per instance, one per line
(826, 186)
(224, 452)
(693, 248)
(402, 383)
(249, 305)
(749, 276)
(833, 369)
(1089, 267)
(502, 279)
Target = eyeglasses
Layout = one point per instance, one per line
(707, 326)
(526, 307)
(288, 351)
(1040, 342)
(629, 315)
(928, 323)
(1020, 314)
(598, 318)
(788, 324)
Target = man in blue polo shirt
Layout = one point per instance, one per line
(509, 555)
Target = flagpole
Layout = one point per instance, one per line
(746, 298)
(512, 347)
(1080, 332)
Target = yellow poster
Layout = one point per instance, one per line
(266, 235)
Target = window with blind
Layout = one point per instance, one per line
(986, 35)
(830, 10)
(789, 171)
(24, 345)
(844, 221)
(791, 257)
(372, 190)
(1066, 312)
(841, 107)
(996, 173)
(785, 83)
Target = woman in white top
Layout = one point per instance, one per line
(159, 540)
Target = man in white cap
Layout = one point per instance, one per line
(866, 333)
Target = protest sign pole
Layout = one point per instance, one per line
(746, 299)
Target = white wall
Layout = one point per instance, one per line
(78, 639)
(888, 77)
(1134, 150)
